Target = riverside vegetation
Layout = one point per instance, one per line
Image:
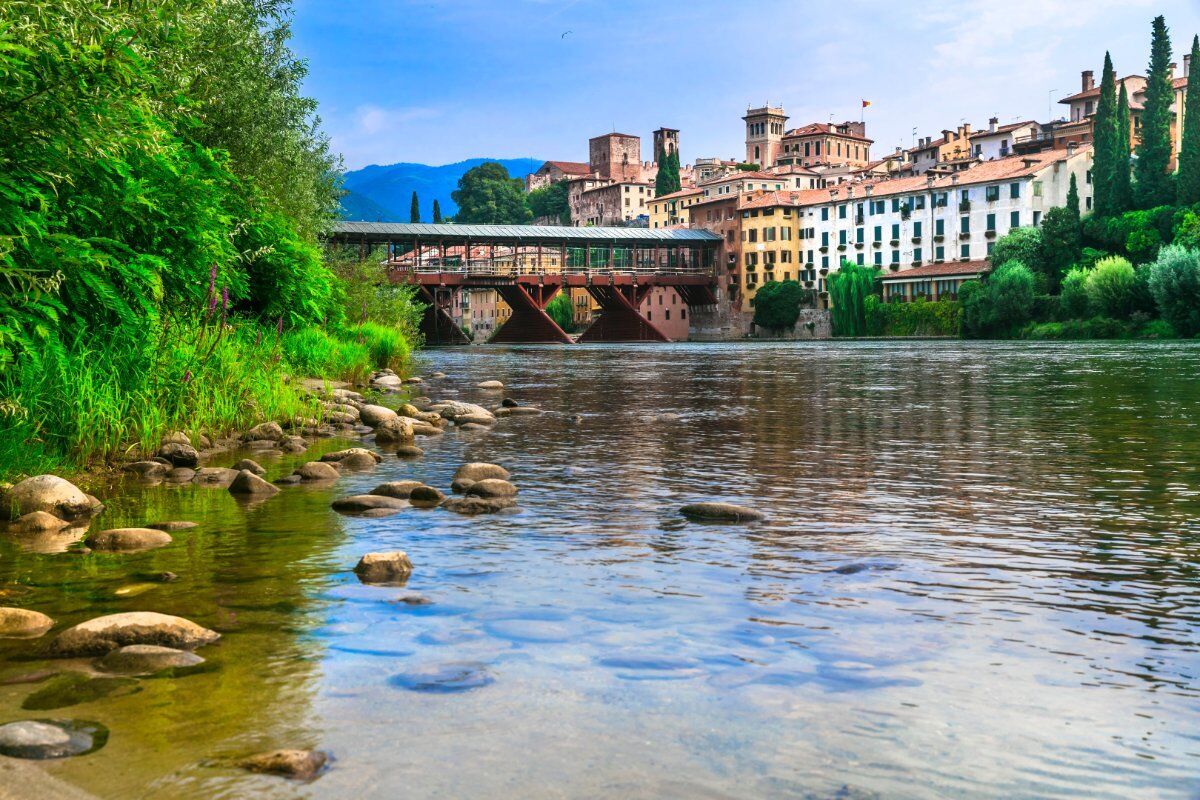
(163, 185)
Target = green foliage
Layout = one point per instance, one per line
(1019, 244)
(1110, 288)
(1188, 181)
(1099, 328)
(746, 166)
(437, 212)
(414, 209)
(486, 194)
(1061, 243)
(387, 345)
(1000, 304)
(667, 181)
(367, 294)
(1122, 187)
(1154, 185)
(777, 304)
(1135, 234)
(550, 201)
(849, 288)
(918, 318)
(1073, 295)
(314, 351)
(562, 311)
(1174, 282)
(1106, 140)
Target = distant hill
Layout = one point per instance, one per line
(386, 191)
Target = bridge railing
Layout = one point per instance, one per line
(486, 268)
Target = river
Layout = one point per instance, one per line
(979, 577)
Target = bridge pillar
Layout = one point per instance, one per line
(529, 323)
(437, 326)
(620, 320)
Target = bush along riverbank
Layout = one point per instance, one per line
(159, 258)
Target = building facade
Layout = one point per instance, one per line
(764, 134)
(819, 143)
(672, 209)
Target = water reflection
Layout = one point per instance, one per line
(978, 578)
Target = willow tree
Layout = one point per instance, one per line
(849, 288)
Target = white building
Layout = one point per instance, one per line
(997, 140)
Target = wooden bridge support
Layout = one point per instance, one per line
(620, 320)
(529, 323)
(437, 326)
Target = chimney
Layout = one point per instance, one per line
(992, 124)
(850, 192)
(1187, 64)
(929, 179)
(1089, 80)
(954, 179)
(1071, 146)
(869, 189)
(1171, 70)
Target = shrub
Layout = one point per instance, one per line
(387, 346)
(1073, 297)
(1174, 282)
(918, 318)
(1019, 244)
(1110, 287)
(777, 304)
(313, 352)
(1000, 304)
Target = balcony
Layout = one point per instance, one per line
(964, 205)
(894, 243)
(859, 245)
(916, 240)
(990, 233)
(876, 244)
(937, 237)
(858, 219)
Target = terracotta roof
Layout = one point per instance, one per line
(814, 128)
(769, 199)
(675, 195)
(570, 167)
(1003, 129)
(1095, 91)
(944, 270)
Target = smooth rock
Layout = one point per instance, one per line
(508, 402)
(475, 419)
(363, 502)
(148, 470)
(144, 659)
(128, 539)
(523, 411)
(250, 464)
(301, 765)
(489, 385)
(340, 455)
(340, 418)
(181, 475)
(215, 475)
(444, 678)
(73, 688)
(344, 408)
(43, 739)
(478, 471)
(37, 522)
(48, 493)
(492, 487)
(180, 455)
(318, 471)
(394, 429)
(249, 484)
(409, 451)
(359, 461)
(22, 623)
(101, 635)
(478, 505)
(392, 567)
(267, 430)
(289, 480)
(398, 489)
(725, 512)
(425, 429)
(426, 497)
(176, 437)
(460, 485)
(373, 415)
(452, 411)
(174, 525)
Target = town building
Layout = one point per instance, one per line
(996, 141)
(764, 134)
(555, 171)
(932, 282)
(948, 153)
(671, 209)
(603, 203)
(820, 143)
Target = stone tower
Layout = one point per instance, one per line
(666, 140)
(616, 156)
(764, 134)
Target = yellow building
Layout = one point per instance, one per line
(770, 241)
(671, 209)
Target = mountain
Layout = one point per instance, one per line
(391, 187)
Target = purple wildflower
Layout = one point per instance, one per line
(279, 327)
(187, 376)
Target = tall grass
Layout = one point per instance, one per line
(388, 346)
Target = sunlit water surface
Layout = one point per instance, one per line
(979, 578)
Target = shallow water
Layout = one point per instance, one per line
(980, 577)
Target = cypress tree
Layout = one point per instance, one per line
(676, 180)
(1154, 185)
(1104, 136)
(1122, 190)
(667, 180)
(414, 210)
(437, 211)
(1073, 196)
(1189, 155)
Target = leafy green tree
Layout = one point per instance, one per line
(1188, 182)
(1122, 178)
(667, 180)
(1019, 244)
(414, 209)
(487, 194)
(1110, 287)
(1001, 303)
(1073, 294)
(562, 311)
(1106, 143)
(849, 288)
(551, 201)
(777, 304)
(1061, 243)
(1175, 284)
(1154, 186)
(437, 212)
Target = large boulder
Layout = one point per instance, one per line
(48, 493)
(179, 454)
(373, 415)
(409, 410)
(318, 471)
(426, 497)
(478, 505)
(720, 512)
(267, 430)
(398, 489)
(342, 455)
(102, 635)
(215, 475)
(491, 487)
(301, 765)
(251, 465)
(128, 539)
(176, 437)
(454, 410)
(393, 567)
(365, 502)
(44, 739)
(478, 471)
(21, 623)
(394, 430)
(148, 470)
(145, 659)
(247, 484)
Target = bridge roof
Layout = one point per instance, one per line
(531, 234)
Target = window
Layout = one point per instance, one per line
(918, 202)
(895, 204)
(1014, 190)
(842, 211)
(895, 231)
(1037, 188)
(754, 234)
(859, 235)
(879, 258)
(824, 238)
(992, 193)
(916, 254)
(990, 246)
(964, 251)
(841, 237)
(878, 233)
(939, 227)
(895, 256)
(939, 253)
(860, 259)
(917, 229)
(965, 223)
(825, 214)
(1014, 219)
(769, 235)
(991, 222)
(824, 262)
(1037, 218)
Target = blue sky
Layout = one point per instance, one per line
(443, 80)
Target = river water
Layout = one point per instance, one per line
(980, 577)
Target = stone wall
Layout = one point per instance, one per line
(819, 319)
